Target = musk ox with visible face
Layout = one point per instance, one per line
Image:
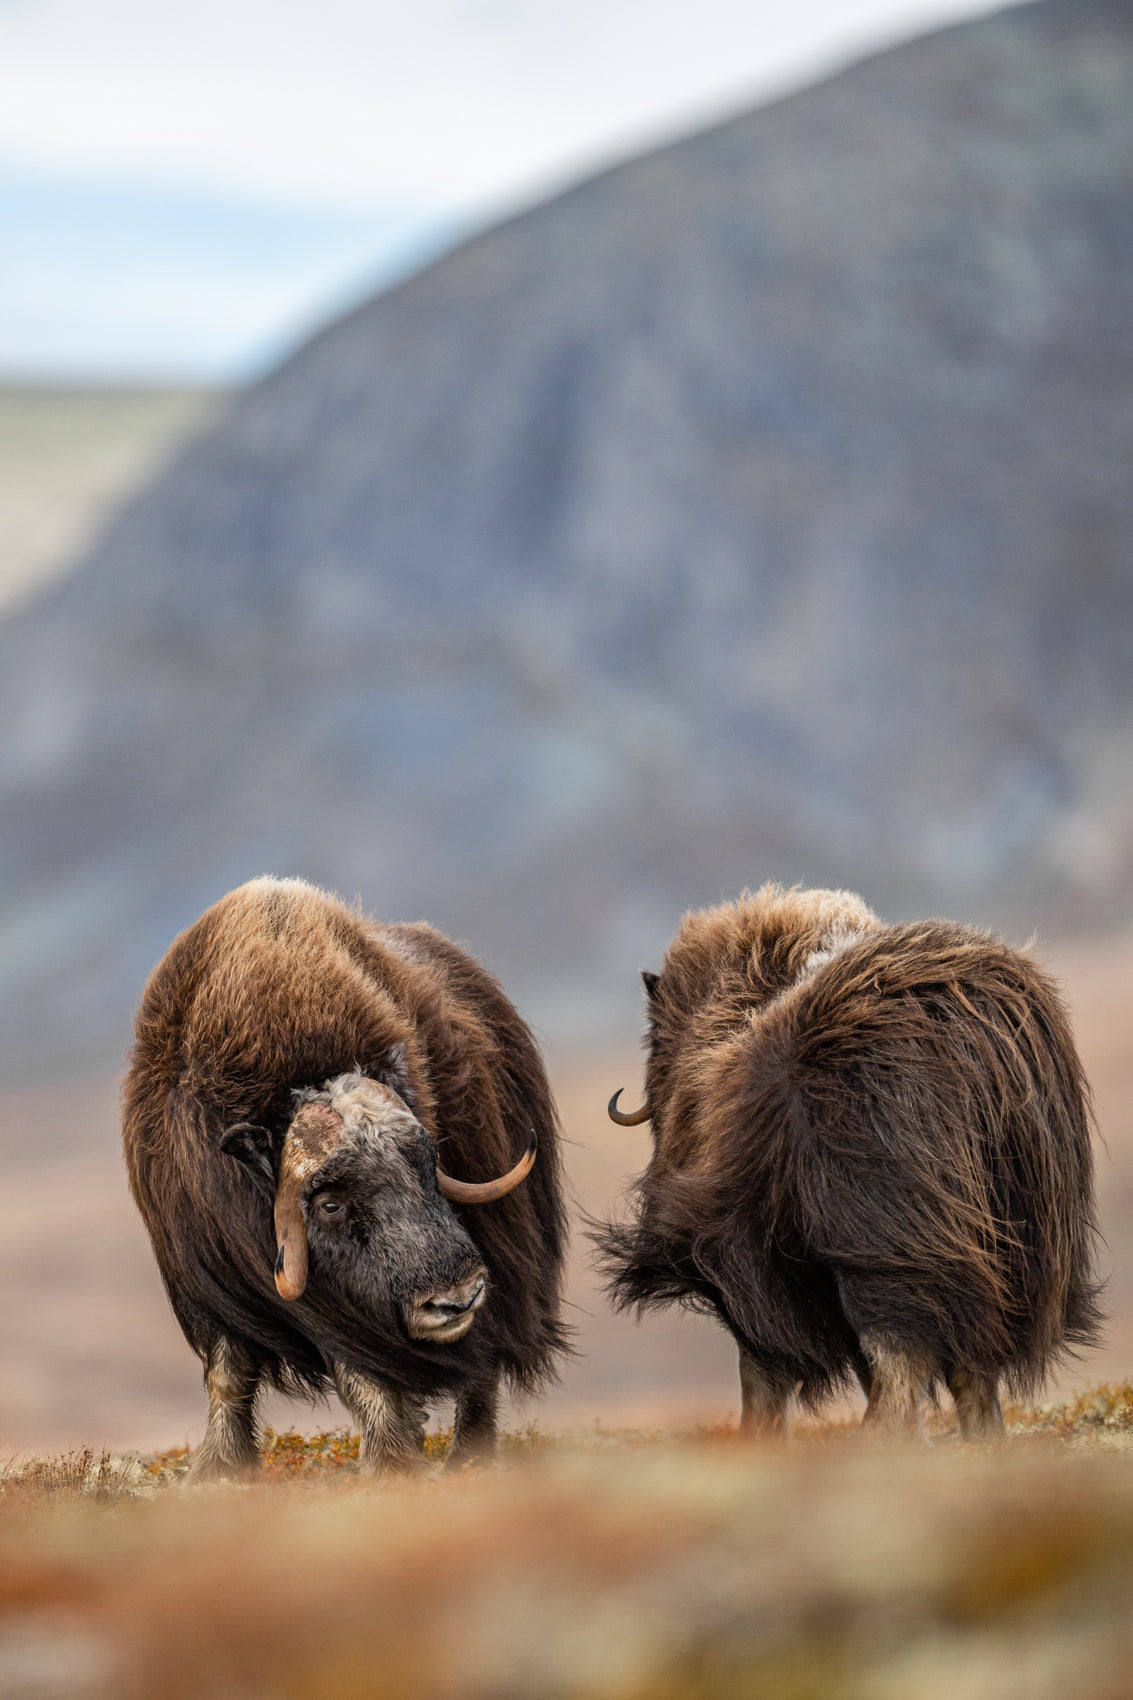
(871, 1158)
(297, 1073)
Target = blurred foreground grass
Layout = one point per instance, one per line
(598, 1566)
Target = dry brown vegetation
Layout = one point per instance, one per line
(602, 1565)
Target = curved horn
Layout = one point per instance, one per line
(622, 1117)
(313, 1133)
(291, 1240)
(483, 1192)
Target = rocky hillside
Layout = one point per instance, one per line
(760, 507)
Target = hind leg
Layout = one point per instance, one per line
(391, 1425)
(231, 1445)
(977, 1404)
(763, 1400)
(899, 1382)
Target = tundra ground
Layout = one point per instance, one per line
(605, 1565)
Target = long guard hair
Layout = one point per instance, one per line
(278, 987)
(862, 1128)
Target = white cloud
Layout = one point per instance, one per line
(450, 102)
(161, 164)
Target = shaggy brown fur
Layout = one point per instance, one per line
(871, 1156)
(279, 987)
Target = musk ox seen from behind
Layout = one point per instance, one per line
(321, 1122)
(871, 1158)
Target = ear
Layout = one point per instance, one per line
(250, 1145)
(393, 1071)
(650, 981)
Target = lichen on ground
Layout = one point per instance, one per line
(603, 1564)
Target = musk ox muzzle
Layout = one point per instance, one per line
(447, 1315)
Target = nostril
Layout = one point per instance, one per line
(450, 1305)
(449, 1314)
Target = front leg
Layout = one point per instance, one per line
(764, 1398)
(391, 1424)
(475, 1436)
(231, 1445)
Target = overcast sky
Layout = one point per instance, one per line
(186, 188)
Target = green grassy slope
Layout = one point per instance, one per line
(68, 457)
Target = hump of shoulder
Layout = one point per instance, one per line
(282, 946)
(277, 906)
(945, 952)
(285, 917)
(930, 964)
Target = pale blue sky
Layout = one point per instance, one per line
(186, 189)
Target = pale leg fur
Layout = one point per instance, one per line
(391, 1424)
(474, 1434)
(977, 1404)
(231, 1445)
(763, 1401)
(899, 1384)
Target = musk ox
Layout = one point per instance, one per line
(871, 1158)
(299, 1077)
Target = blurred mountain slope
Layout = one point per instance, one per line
(761, 507)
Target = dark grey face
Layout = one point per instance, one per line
(378, 1229)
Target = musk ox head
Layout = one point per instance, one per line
(761, 944)
(361, 1197)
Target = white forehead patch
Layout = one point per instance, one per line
(365, 1105)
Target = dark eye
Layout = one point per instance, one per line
(329, 1207)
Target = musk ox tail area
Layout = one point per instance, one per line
(896, 1147)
